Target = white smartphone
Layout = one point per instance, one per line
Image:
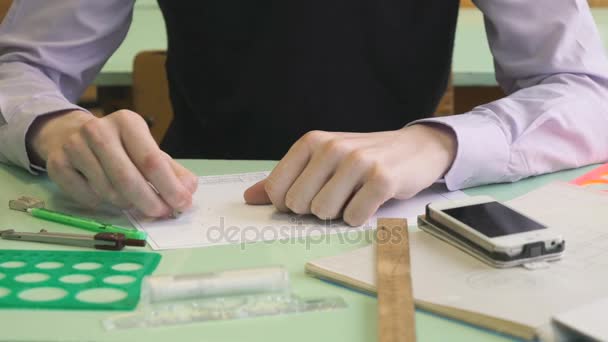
(500, 233)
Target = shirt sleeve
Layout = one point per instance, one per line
(49, 52)
(549, 59)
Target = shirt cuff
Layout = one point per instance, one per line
(482, 154)
(13, 134)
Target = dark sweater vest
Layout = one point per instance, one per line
(249, 77)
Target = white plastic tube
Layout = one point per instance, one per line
(157, 289)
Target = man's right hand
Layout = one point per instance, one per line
(110, 159)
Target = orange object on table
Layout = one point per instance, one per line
(596, 179)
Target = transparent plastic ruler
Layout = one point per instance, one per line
(219, 309)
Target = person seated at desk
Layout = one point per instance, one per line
(346, 87)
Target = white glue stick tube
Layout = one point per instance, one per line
(157, 289)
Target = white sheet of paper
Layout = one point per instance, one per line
(447, 276)
(588, 320)
(219, 216)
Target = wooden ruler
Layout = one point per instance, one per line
(396, 321)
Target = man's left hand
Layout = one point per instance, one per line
(350, 175)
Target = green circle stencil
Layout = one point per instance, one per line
(69, 280)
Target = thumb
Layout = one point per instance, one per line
(256, 194)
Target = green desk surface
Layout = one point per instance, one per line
(356, 323)
(472, 63)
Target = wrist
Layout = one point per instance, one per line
(439, 143)
(47, 132)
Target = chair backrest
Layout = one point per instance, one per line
(447, 103)
(4, 6)
(151, 92)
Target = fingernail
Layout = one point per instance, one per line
(175, 214)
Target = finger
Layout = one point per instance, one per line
(331, 199)
(367, 200)
(152, 162)
(256, 194)
(83, 159)
(70, 181)
(104, 141)
(289, 168)
(188, 179)
(312, 179)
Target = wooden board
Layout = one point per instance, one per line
(396, 322)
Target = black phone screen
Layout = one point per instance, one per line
(493, 219)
